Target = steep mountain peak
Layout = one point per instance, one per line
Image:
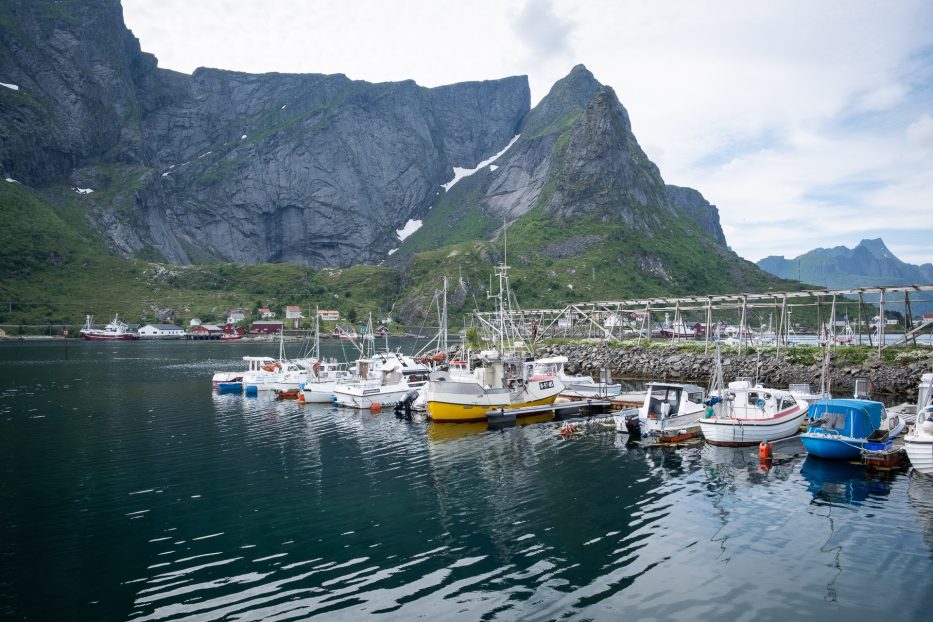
(877, 248)
(603, 169)
(563, 103)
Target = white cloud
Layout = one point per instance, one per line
(921, 131)
(541, 30)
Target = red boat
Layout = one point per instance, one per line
(114, 331)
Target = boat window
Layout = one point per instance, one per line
(696, 398)
(752, 398)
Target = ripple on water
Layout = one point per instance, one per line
(193, 505)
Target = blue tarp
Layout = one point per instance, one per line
(850, 417)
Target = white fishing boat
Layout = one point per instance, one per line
(325, 376)
(918, 443)
(743, 414)
(254, 364)
(670, 413)
(575, 386)
(383, 380)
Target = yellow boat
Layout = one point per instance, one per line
(497, 384)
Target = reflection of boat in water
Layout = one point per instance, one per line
(839, 481)
(443, 432)
(920, 496)
(842, 428)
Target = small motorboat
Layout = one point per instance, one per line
(842, 428)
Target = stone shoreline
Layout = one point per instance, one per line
(898, 382)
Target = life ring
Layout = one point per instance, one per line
(760, 403)
(316, 367)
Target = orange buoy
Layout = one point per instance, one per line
(764, 451)
(375, 406)
(301, 397)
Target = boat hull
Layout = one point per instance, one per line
(743, 432)
(447, 412)
(100, 337)
(920, 454)
(832, 447)
(367, 398)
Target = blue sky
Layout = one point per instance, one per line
(807, 124)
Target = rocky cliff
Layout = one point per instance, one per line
(323, 171)
(225, 166)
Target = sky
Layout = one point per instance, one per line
(808, 124)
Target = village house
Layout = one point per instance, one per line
(206, 331)
(329, 315)
(293, 312)
(266, 313)
(268, 327)
(161, 331)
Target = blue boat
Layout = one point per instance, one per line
(842, 428)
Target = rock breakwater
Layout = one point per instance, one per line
(894, 381)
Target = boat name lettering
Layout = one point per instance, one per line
(547, 384)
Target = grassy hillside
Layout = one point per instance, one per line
(54, 270)
(50, 272)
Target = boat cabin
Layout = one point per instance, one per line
(851, 418)
(669, 400)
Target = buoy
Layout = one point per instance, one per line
(764, 451)
(375, 406)
(301, 397)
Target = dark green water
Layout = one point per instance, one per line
(129, 491)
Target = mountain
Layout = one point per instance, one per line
(142, 164)
(588, 214)
(317, 170)
(869, 264)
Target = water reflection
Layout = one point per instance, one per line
(920, 494)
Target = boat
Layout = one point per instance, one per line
(918, 443)
(503, 378)
(842, 428)
(582, 387)
(677, 329)
(114, 331)
(747, 415)
(384, 379)
(254, 365)
(670, 413)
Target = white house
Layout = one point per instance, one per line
(293, 312)
(266, 313)
(161, 331)
(329, 315)
(236, 316)
(195, 321)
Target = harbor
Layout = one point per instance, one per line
(189, 503)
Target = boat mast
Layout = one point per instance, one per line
(442, 334)
(317, 333)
